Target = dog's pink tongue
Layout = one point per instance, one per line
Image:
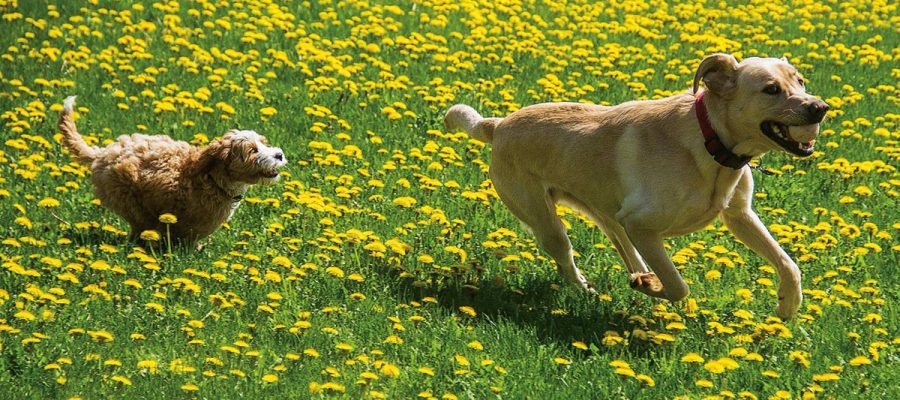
(805, 133)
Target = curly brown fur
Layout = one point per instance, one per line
(141, 177)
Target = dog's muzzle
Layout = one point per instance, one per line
(779, 133)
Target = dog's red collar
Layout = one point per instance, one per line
(714, 146)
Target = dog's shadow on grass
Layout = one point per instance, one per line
(555, 315)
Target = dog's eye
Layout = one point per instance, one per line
(802, 82)
(772, 89)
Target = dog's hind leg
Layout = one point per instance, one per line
(529, 200)
(665, 281)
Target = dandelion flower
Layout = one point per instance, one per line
(692, 358)
(393, 339)
(714, 367)
(461, 360)
(190, 387)
(390, 370)
(860, 360)
(335, 272)
(151, 366)
(826, 377)
(770, 374)
(405, 202)
(704, 383)
(48, 202)
(150, 236)
(646, 379)
(343, 346)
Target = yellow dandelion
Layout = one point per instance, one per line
(692, 358)
(150, 366)
(150, 236)
(468, 311)
(646, 380)
(562, 361)
(704, 383)
(25, 315)
(826, 377)
(48, 202)
(343, 346)
(860, 360)
(311, 352)
(190, 387)
(714, 367)
(405, 202)
(100, 336)
(168, 219)
(335, 272)
(393, 339)
(770, 374)
(713, 274)
(390, 370)
(461, 360)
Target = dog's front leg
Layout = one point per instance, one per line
(746, 226)
(665, 282)
(743, 222)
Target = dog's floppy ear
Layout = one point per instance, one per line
(217, 151)
(718, 72)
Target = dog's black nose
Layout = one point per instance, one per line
(817, 111)
(279, 156)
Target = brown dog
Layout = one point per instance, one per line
(141, 177)
(646, 170)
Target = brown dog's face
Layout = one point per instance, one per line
(248, 157)
(767, 103)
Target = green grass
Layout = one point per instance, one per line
(327, 211)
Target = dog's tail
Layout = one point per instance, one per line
(81, 152)
(466, 118)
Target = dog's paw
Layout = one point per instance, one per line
(580, 282)
(648, 283)
(576, 279)
(788, 302)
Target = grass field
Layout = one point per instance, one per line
(382, 265)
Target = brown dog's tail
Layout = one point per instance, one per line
(81, 152)
(467, 119)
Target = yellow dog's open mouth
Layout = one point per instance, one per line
(779, 133)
